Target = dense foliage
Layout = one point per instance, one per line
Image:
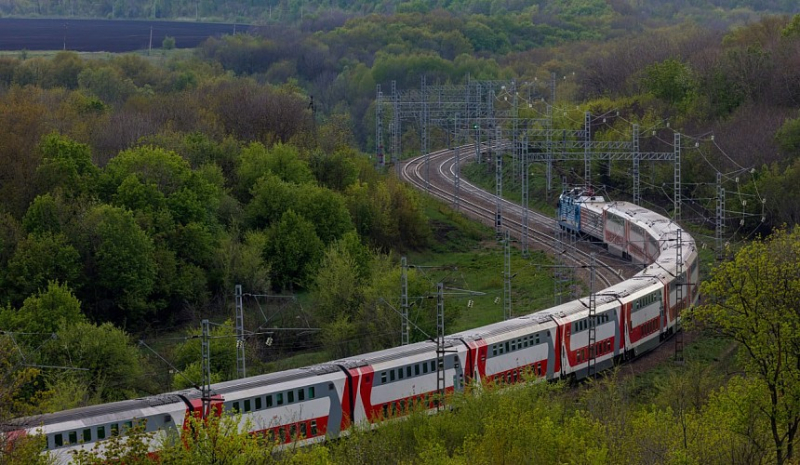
(136, 192)
(554, 14)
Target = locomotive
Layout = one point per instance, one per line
(322, 401)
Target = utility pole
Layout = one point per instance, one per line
(240, 360)
(677, 143)
(205, 389)
(591, 365)
(424, 129)
(587, 150)
(679, 283)
(636, 196)
(457, 149)
(440, 352)
(498, 217)
(507, 276)
(525, 191)
(404, 336)
(720, 230)
(379, 126)
(395, 127)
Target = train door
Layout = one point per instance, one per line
(458, 376)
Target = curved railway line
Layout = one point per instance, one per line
(481, 205)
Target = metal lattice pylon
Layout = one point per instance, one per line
(440, 352)
(592, 362)
(404, 330)
(507, 276)
(679, 283)
(240, 360)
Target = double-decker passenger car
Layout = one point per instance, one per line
(311, 403)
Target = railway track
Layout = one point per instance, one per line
(481, 205)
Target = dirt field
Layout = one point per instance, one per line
(104, 35)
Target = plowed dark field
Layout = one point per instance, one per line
(104, 35)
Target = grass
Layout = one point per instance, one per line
(472, 260)
(709, 356)
(483, 175)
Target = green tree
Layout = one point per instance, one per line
(47, 312)
(336, 171)
(326, 209)
(39, 259)
(43, 215)
(271, 197)
(337, 286)
(119, 265)
(293, 251)
(168, 43)
(671, 81)
(66, 165)
(788, 137)
(282, 160)
(20, 450)
(753, 299)
(114, 364)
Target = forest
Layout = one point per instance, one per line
(137, 190)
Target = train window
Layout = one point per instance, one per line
(247, 405)
(293, 432)
(272, 435)
(114, 430)
(424, 367)
(235, 406)
(399, 373)
(508, 346)
(281, 435)
(433, 365)
(311, 393)
(279, 398)
(87, 435)
(494, 351)
(301, 395)
(383, 377)
(258, 403)
(128, 425)
(101, 432)
(536, 341)
(269, 401)
(304, 430)
(416, 370)
(330, 387)
(313, 427)
(58, 440)
(513, 345)
(391, 375)
(408, 371)
(385, 410)
(73, 437)
(290, 397)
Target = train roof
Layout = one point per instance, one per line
(630, 287)
(386, 355)
(133, 405)
(271, 379)
(504, 327)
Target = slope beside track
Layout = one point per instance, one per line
(478, 204)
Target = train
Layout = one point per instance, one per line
(310, 404)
